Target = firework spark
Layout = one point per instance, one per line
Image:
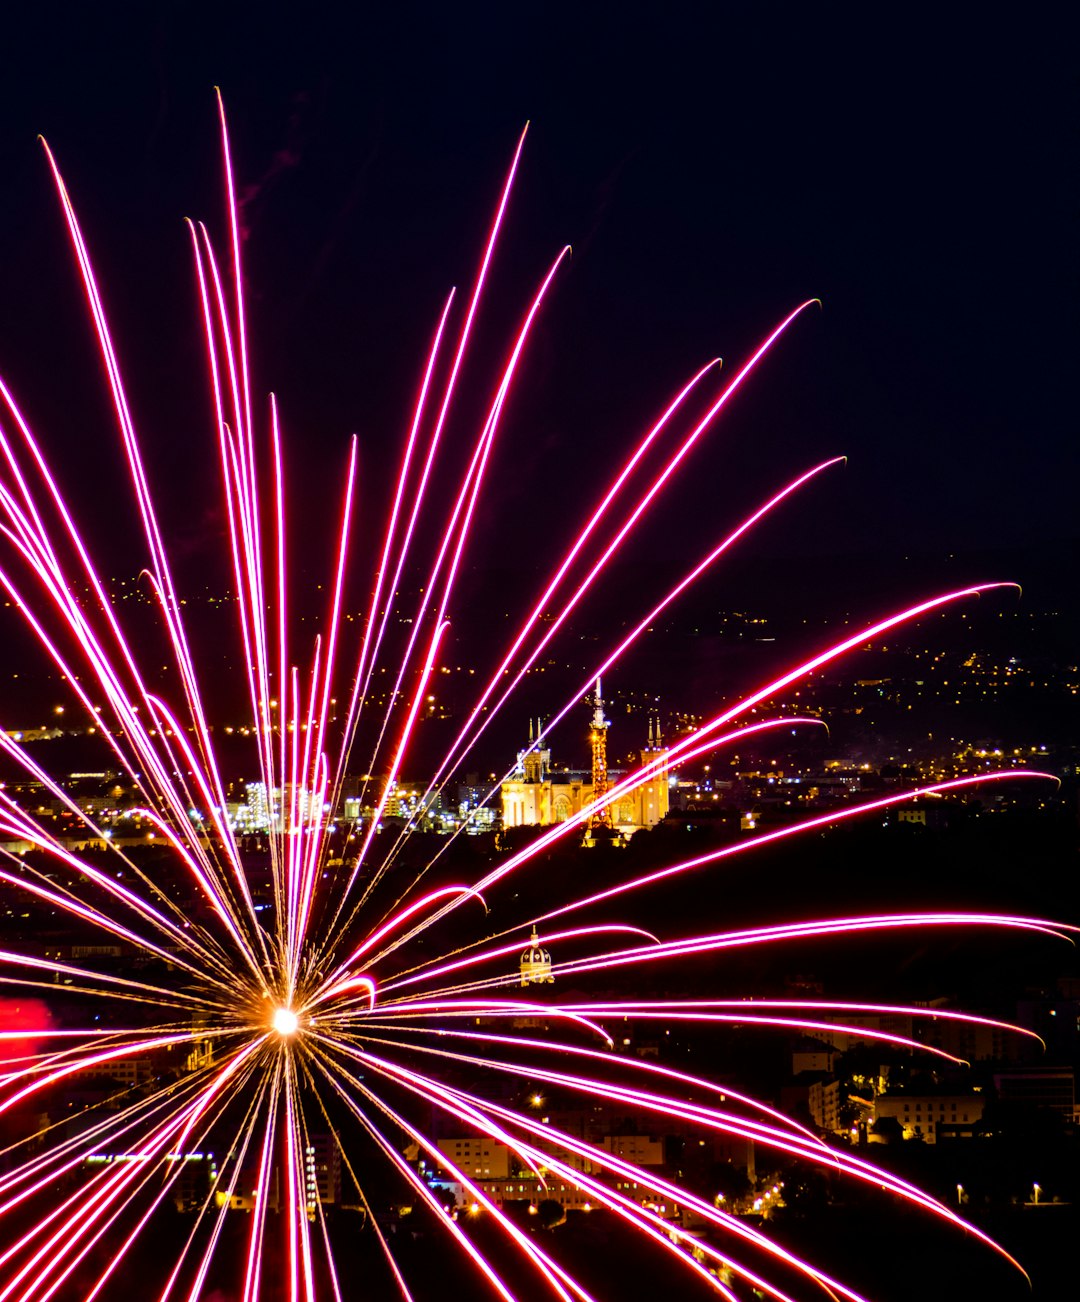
(255, 1015)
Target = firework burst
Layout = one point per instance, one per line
(322, 998)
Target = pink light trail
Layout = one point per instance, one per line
(312, 991)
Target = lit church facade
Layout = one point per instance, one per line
(539, 794)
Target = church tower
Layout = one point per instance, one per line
(655, 747)
(535, 762)
(654, 794)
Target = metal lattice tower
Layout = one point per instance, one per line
(598, 742)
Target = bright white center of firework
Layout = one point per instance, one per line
(285, 1021)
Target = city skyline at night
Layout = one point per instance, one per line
(539, 691)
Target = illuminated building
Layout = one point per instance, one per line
(492, 1168)
(539, 795)
(322, 1172)
(931, 1116)
(262, 810)
(191, 1176)
(643, 1150)
(478, 1155)
(815, 1097)
(536, 963)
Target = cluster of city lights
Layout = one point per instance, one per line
(345, 993)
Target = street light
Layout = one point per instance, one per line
(959, 1195)
(1036, 1190)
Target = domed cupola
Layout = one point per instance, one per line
(535, 963)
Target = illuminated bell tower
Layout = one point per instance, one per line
(598, 742)
(654, 794)
(535, 762)
(655, 749)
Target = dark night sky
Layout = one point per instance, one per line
(914, 166)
